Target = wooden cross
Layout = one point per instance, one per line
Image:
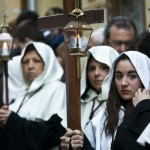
(72, 82)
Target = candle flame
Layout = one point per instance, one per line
(5, 46)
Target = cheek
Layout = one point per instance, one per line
(90, 76)
(136, 85)
(24, 69)
(104, 74)
(40, 68)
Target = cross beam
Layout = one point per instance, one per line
(72, 81)
(60, 20)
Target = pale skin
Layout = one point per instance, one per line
(141, 95)
(129, 87)
(33, 66)
(127, 80)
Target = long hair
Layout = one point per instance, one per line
(85, 95)
(114, 103)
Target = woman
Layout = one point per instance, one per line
(94, 81)
(126, 78)
(27, 123)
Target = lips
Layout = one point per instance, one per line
(97, 82)
(125, 91)
(31, 74)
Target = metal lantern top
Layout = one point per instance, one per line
(5, 41)
(77, 34)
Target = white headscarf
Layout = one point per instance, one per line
(103, 54)
(141, 63)
(52, 69)
(40, 100)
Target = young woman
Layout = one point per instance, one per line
(125, 79)
(26, 124)
(94, 81)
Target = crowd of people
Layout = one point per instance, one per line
(115, 89)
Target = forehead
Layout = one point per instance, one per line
(121, 33)
(125, 66)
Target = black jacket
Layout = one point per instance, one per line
(131, 128)
(22, 134)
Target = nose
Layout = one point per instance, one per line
(122, 48)
(97, 71)
(124, 81)
(30, 64)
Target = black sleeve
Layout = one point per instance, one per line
(131, 128)
(139, 117)
(22, 134)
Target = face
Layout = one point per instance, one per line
(96, 74)
(32, 65)
(121, 39)
(127, 80)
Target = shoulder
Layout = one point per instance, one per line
(56, 84)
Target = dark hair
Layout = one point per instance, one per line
(29, 48)
(28, 28)
(120, 22)
(85, 95)
(114, 103)
(143, 43)
(27, 15)
(53, 10)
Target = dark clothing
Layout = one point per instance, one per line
(22, 134)
(131, 128)
(87, 144)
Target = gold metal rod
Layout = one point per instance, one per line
(78, 68)
(6, 82)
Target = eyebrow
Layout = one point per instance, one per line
(128, 72)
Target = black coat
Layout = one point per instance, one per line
(131, 128)
(22, 134)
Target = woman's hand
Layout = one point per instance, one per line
(77, 140)
(4, 114)
(140, 95)
(65, 140)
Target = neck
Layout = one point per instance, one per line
(125, 103)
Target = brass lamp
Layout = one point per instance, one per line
(5, 50)
(77, 34)
(5, 41)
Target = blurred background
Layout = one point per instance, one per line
(136, 9)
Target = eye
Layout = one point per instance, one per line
(133, 76)
(91, 68)
(118, 76)
(104, 67)
(37, 61)
(25, 62)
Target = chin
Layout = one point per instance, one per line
(126, 98)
